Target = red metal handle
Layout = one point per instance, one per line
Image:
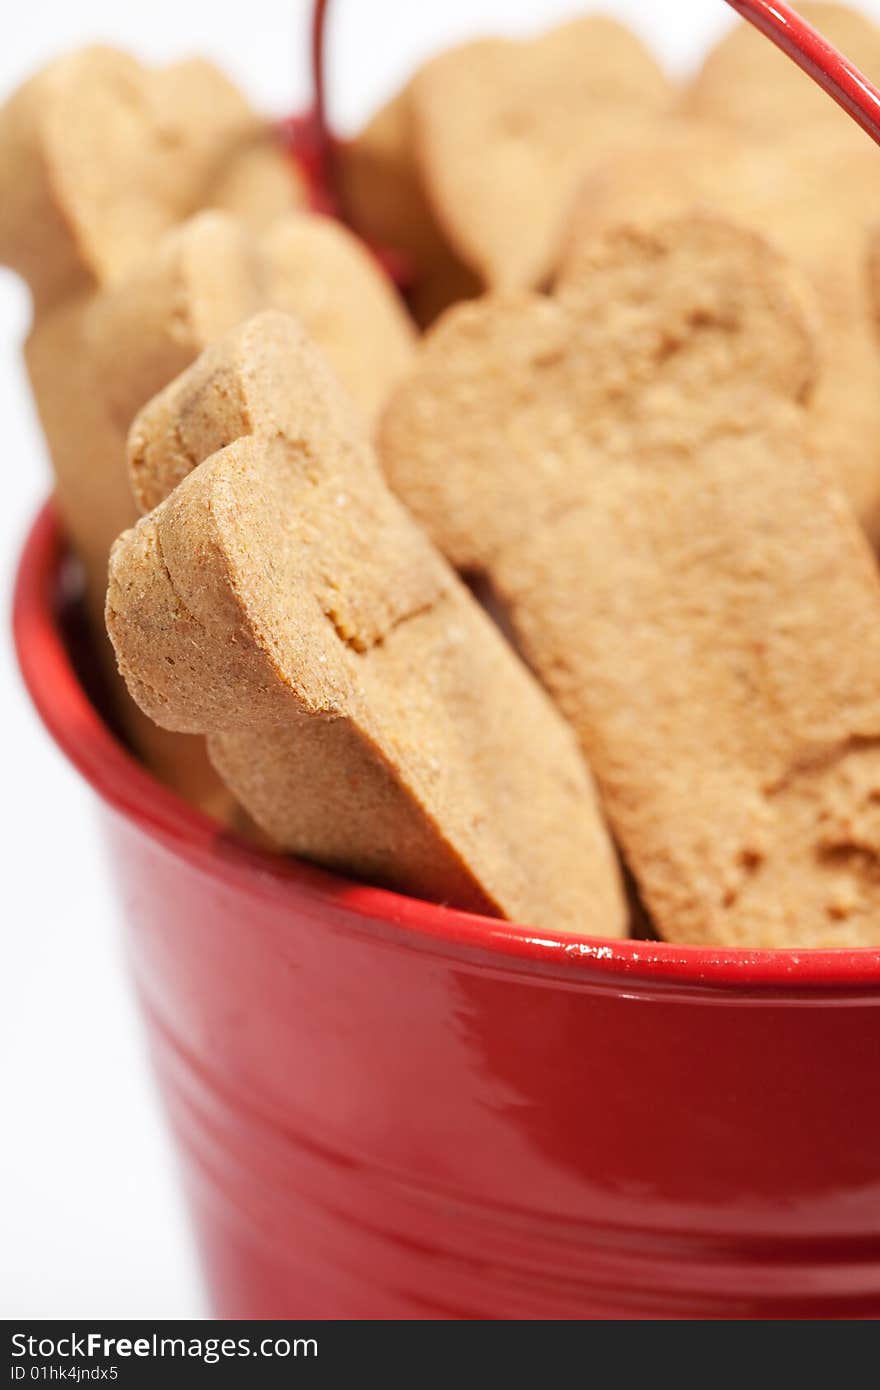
(312, 143)
(307, 136)
(827, 66)
(319, 82)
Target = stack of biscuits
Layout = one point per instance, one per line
(547, 590)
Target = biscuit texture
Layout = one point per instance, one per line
(504, 131)
(781, 189)
(627, 465)
(356, 699)
(745, 82)
(211, 273)
(122, 346)
(99, 156)
(97, 357)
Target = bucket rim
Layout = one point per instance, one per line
(121, 782)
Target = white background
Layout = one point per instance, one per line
(90, 1222)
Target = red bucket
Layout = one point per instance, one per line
(385, 1109)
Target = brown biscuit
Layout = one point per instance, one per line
(627, 466)
(357, 700)
(505, 130)
(745, 82)
(94, 497)
(95, 359)
(321, 273)
(210, 274)
(99, 156)
(817, 199)
(199, 280)
(380, 188)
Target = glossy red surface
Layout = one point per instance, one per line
(388, 1110)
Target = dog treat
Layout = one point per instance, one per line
(469, 171)
(505, 130)
(626, 465)
(210, 274)
(747, 83)
(357, 701)
(380, 187)
(644, 475)
(96, 358)
(203, 279)
(99, 156)
(92, 493)
(781, 189)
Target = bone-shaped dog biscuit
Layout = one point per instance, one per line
(94, 499)
(212, 273)
(782, 188)
(94, 360)
(505, 130)
(99, 156)
(357, 700)
(627, 466)
(469, 170)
